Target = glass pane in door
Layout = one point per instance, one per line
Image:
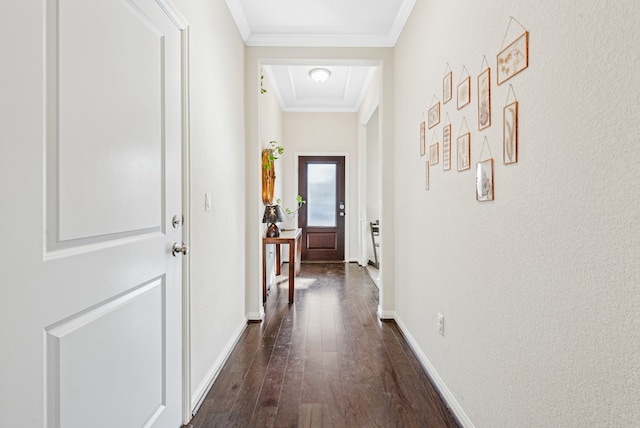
(321, 195)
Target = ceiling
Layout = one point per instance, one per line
(320, 23)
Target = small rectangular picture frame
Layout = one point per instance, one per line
(433, 154)
(426, 175)
(464, 92)
(423, 139)
(447, 87)
(484, 180)
(484, 99)
(463, 150)
(510, 133)
(446, 147)
(434, 115)
(513, 59)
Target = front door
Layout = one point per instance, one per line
(90, 292)
(321, 182)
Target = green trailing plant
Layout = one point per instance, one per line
(291, 214)
(275, 151)
(262, 89)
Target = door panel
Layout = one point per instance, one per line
(321, 182)
(97, 291)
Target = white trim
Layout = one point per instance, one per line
(186, 229)
(401, 20)
(385, 315)
(445, 393)
(240, 19)
(207, 382)
(321, 40)
(256, 316)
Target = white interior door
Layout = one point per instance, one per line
(91, 299)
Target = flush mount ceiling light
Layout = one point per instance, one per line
(320, 75)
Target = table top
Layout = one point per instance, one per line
(285, 235)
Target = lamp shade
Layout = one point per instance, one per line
(272, 214)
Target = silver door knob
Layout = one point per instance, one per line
(341, 213)
(180, 249)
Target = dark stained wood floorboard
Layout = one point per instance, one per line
(324, 361)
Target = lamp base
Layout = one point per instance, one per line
(273, 231)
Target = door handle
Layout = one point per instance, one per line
(180, 248)
(341, 213)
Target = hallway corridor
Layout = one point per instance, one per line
(324, 361)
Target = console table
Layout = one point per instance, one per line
(288, 237)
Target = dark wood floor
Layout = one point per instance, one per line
(324, 361)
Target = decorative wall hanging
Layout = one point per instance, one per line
(515, 57)
(484, 176)
(463, 148)
(433, 151)
(464, 90)
(510, 130)
(484, 97)
(446, 147)
(447, 85)
(423, 138)
(426, 175)
(434, 113)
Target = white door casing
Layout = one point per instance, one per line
(91, 302)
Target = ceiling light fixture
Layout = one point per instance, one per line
(320, 75)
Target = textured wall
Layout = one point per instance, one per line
(539, 288)
(217, 167)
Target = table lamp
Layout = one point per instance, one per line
(272, 215)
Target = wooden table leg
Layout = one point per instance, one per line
(264, 272)
(292, 268)
(278, 261)
(297, 243)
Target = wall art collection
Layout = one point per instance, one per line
(510, 61)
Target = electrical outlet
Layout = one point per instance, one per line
(441, 323)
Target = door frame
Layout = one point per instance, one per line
(349, 205)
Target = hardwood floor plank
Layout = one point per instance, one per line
(324, 361)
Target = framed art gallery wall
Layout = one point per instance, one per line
(535, 306)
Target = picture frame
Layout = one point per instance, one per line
(510, 133)
(447, 87)
(446, 147)
(484, 99)
(464, 151)
(434, 115)
(426, 175)
(484, 181)
(433, 154)
(423, 139)
(513, 59)
(464, 92)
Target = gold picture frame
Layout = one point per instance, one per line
(484, 181)
(446, 147)
(513, 59)
(510, 133)
(484, 99)
(464, 151)
(423, 139)
(464, 92)
(433, 154)
(434, 115)
(447, 87)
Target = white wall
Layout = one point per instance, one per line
(540, 288)
(217, 167)
(315, 133)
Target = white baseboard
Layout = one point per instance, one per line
(386, 315)
(205, 385)
(437, 380)
(256, 316)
